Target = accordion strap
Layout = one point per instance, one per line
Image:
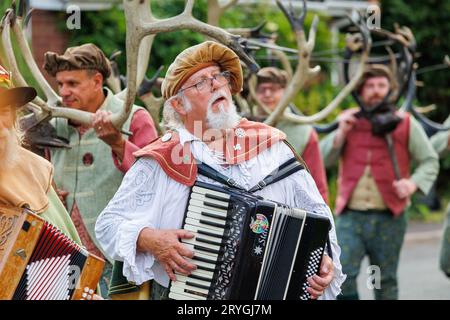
(286, 169)
(212, 173)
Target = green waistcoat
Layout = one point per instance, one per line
(91, 186)
(297, 134)
(56, 214)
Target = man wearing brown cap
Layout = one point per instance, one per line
(375, 183)
(89, 173)
(271, 84)
(141, 224)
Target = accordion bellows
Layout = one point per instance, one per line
(39, 262)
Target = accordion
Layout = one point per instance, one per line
(248, 248)
(39, 262)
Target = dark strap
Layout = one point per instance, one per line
(286, 169)
(393, 156)
(212, 173)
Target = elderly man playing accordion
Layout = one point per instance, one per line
(141, 224)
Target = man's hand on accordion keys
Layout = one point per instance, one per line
(318, 283)
(165, 245)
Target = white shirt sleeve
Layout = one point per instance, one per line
(130, 210)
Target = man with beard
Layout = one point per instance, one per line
(89, 173)
(26, 178)
(374, 182)
(269, 90)
(141, 224)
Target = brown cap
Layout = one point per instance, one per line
(86, 56)
(197, 57)
(272, 75)
(376, 70)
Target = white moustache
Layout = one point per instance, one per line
(217, 95)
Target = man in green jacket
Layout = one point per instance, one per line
(90, 172)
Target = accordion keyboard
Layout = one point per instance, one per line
(247, 248)
(206, 218)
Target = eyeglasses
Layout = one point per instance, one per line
(261, 89)
(207, 83)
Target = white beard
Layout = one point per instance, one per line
(9, 149)
(224, 119)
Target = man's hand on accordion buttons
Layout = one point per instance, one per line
(318, 283)
(168, 250)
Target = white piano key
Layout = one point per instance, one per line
(204, 198)
(199, 216)
(180, 287)
(211, 256)
(204, 264)
(193, 241)
(201, 204)
(200, 209)
(202, 190)
(195, 229)
(184, 279)
(185, 296)
(202, 273)
(202, 225)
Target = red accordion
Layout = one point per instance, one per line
(39, 262)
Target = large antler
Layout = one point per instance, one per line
(305, 47)
(355, 42)
(141, 23)
(215, 10)
(51, 107)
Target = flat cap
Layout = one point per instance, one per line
(376, 70)
(272, 75)
(86, 56)
(198, 57)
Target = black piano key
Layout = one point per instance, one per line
(210, 223)
(208, 241)
(194, 276)
(197, 247)
(204, 260)
(211, 215)
(205, 268)
(196, 285)
(215, 197)
(206, 233)
(213, 205)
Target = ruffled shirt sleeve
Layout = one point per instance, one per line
(138, 204)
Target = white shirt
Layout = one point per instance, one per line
(148, 197)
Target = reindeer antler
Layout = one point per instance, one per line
(305, 48)
(215, 10)
(51, 107)
(141, 23)
(356, 42)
